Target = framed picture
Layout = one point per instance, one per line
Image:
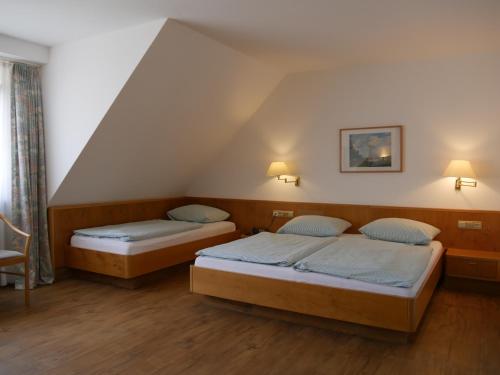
(377, 149)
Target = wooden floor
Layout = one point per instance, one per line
(80, 327)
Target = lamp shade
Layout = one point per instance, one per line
(459, 168)
(278, 168)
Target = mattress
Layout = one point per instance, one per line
(114, 246)
(289, 274)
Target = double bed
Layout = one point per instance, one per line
(320, 295)
(290, 274)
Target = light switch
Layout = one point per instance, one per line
(469, 224)
(282, 213)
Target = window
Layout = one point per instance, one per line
(5, 157)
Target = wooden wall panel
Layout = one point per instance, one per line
(64, 219)
(258, 213)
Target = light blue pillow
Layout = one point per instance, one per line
(315, 225)
(198, 213)
(400, 230)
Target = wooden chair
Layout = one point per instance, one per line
(11, 257)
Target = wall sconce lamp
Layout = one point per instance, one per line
(280, 170)
(461, 169)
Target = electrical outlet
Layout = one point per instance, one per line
(465, 224)
(282, 213)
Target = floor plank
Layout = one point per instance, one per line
(80, 327)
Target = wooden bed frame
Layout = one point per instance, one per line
(63, 220)
(396, 315)
(132, 266)
(372, 309)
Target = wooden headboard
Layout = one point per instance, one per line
(258, 213)
(249, 213)
(64, 219)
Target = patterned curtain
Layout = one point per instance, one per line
(5, 163)
(29, 196)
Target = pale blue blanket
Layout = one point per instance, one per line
(139, 230)
(268, 248)
(373, 261)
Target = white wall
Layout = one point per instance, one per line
(182, 104)
(80, 83)
(18, 49)
(449, 108)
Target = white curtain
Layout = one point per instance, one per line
(5, 154)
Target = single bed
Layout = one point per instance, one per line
(131, 259)
(388, 307)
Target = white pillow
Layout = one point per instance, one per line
(315, 225)
(400, 230)
(198, 213)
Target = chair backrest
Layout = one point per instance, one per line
(27, 237)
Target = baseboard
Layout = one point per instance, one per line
(62, 273)
(472, 286)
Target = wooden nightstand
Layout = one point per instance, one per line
(474, 270)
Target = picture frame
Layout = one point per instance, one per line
(372, 149)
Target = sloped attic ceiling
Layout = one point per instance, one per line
(182, 104)
(80, 83)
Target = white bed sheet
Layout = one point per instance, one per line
(289, 274)
(114, 246)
